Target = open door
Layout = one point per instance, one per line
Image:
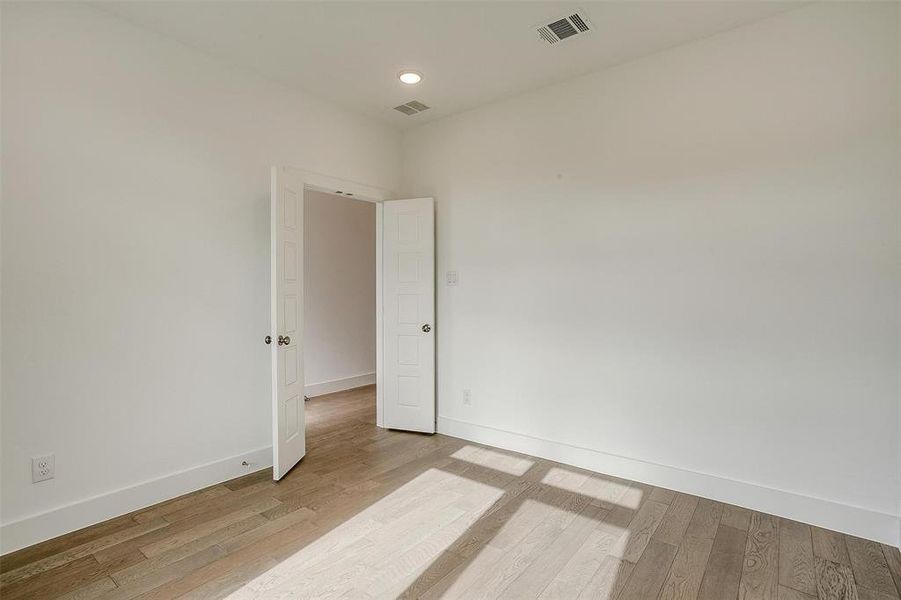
(408, 315)
(286, 337)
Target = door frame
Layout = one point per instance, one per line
(355, 190)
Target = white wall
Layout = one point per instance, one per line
(684, 269)
(135, 259)
(339, 293)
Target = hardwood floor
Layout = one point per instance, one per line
(371, 513)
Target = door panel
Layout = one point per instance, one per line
(288, 432)
(408, 295)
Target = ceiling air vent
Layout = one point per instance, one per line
(412, 107)
(564, 27)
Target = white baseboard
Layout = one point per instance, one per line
(71, 517)
(338, 385)
(854, 520)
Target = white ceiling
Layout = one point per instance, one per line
(470, 53)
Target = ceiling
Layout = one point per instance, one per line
(470, 53)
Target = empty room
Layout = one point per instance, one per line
(450, 299)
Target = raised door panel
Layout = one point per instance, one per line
(287, 326)
(409, 327)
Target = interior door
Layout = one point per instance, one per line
(286, 338)
(408, 302)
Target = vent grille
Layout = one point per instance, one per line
(564, 27)
(412, 107)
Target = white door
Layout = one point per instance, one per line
(408, 302)
(288, 436)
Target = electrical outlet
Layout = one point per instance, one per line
(43, 468)
(467, 398)
(451, 278)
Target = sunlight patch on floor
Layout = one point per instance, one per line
(380, 550)
(566, 479)
(602, 489)
(526, 548)
(499, 461)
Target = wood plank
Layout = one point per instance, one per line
(439, 568)
(394, 576)
(650, 572)
(456, 582)
(160, 561)
(14, 560)
(834, 581)
(155, 579)
(687, 571)
(228, 582)
(706, 519)
(642, 527)
(164, 508)
(662, 495)
(543, 570)
(82, 550)
(266, 530)
(608, 538)
(724, 566)
(607, 492)
(91, 590)
(736, 516)
(239, 483)
(830, 545)
(524, 518)
(760, 574)
(228, 503)
(796, 568)
(520, 558)
(608, 580)
(494, 519)
(676, 520)
(893, 560)
(204, 529)
(790, 594)
(868, 594)
(67, 577)
(870, 566)
(126, 546)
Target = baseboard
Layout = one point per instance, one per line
(854, 520)
(71, 517)
(338, 385)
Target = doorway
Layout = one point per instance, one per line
(339, 337)
(404, 309)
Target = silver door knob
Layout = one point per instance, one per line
(284, 340)
(426, 328)
(268, 339)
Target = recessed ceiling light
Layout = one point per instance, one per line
(410, 77)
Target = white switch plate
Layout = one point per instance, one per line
(43, 468)
(451, 278)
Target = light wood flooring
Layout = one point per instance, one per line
(371, 513)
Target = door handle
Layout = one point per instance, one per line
(268, 339)
(284, 340)
(426, 328)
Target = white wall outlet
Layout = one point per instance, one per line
(467, 398)
(43, 468)
(451, 278)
